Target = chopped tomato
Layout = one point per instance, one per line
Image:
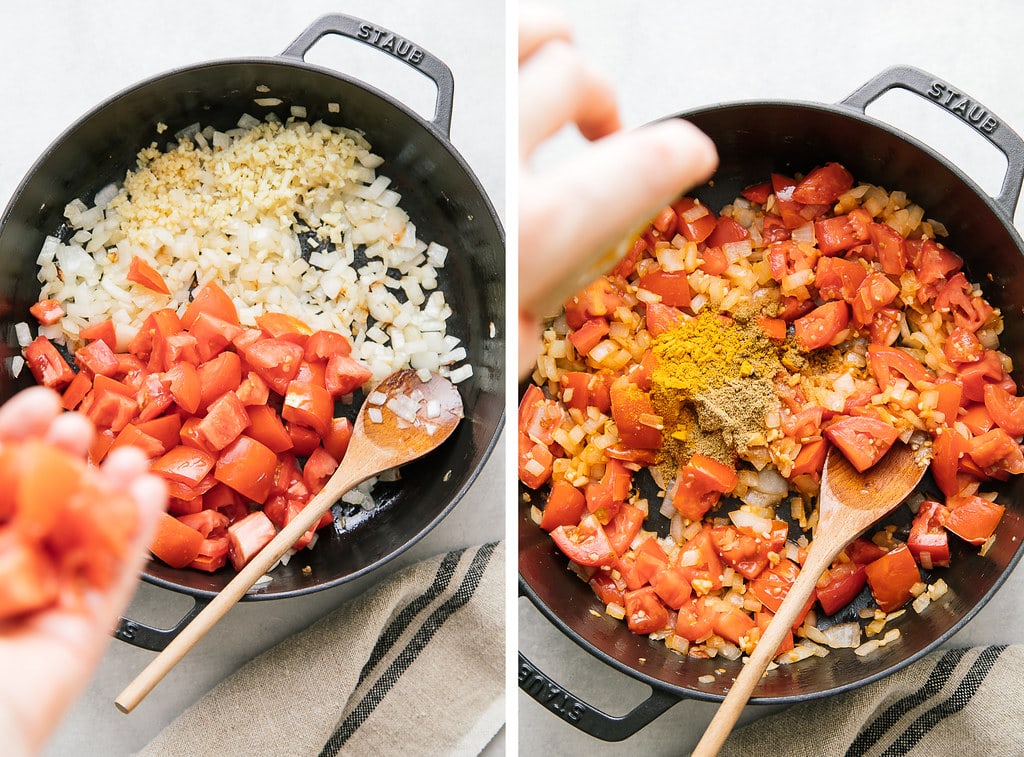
(248, 536)
(891, 578)
(700, 562)
(284, 326)
(726, 231)
(672, 288)
(323, 345)
(962, 346)
(589, 335)
(861, 439)
(691, 622)
(650, 558)
(47, 365)
(318, 469)
(535, 461)
(973, 519)
(745, 551)
(823, 185)
(605, 497)
(1007, 411)
(624, 527)
(890, 251)
(47, 312)
(598, 300)
(727, 620)
(565, 506)
(773, 328)
(838, 278)
(840, 585)
(822, 326)
(344, 375)
(248, 467)
(699, 485)
(212, 300)
(586, 543)
(265, 426)
(336, 440)
(883, 361)
(956, 296)
(671, 586)
(187, 465)
(947, 448)
(696, 221)
(645, 613)
(275, 360)
(928, 541)
(841, 233)
(75, 392)
(28, 578)
(606, 589)
(102, 330)
(772, 586)
(810, 460)
(143, 273)
(996, 451)
(758, 192)
(174, 542)
(875, 293)
(308, 404)
(988, 370)
(634, 416)
(218, 376)
(213, 335)
(225, 419)
(581, 390)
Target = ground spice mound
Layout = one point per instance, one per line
(713, 385)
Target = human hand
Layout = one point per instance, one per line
(574, 217)
(48, 657)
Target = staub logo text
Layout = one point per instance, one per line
(392, 43)
(973, 113)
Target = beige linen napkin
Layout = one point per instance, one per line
(961, 702)
(414, 666)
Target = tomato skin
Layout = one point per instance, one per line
(248, 536)
(308, 404)
(565, 506)
(345, 375)
(275, 360)
(972, 518)
(213, 300)
(820, 327)
(823, 185)
(927, 536)
(47, 365)
(337, 437)
(174, 542)
(624, 527)
(673, 288)
(146, 275)
(248, 467)
(598, 299)
(645, 613)
(1007, 411)
(699, 485)
(839, 587)
(585, 544)
(186, 465)
(862, 440)
(891, 577)
(589, 335)
(605, 497)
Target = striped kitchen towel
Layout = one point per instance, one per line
(965, 702)
(414, 666)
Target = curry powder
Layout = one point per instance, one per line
(713, 385)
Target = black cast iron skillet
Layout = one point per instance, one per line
(441, 195)
(754, 139)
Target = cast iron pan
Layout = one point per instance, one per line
(753, 139)
(441, 195)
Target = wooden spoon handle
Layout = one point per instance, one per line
(729, 711)
(219, 606)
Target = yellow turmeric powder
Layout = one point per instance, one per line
(713, 385)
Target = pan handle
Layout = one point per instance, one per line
(394, 45)
(969, 110)
(155, 639)
(586, 717)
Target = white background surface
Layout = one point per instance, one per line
(60, 59)
(665, 57)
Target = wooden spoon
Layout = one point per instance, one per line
(849, 503)
(383, 437)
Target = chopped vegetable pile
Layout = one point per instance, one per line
(725, 354)
(240, 422)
